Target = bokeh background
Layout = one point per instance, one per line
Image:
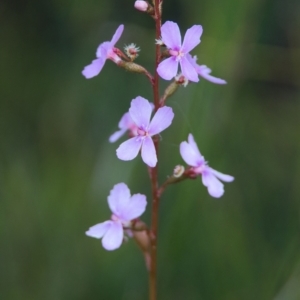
(57, 167)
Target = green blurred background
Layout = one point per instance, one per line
(57, 167)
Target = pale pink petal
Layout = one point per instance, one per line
(118, 197)
(113, 237)
(98, 231)
(188, 70)
(188, 154)
(161, 120)
(129, 149)
(148, 152)
(221, 176)
(167, 69)
(103, 49)
(191, 38)
(135, 207)
(116, 135)
(171, 36)
(117, 35)
(126, 121)
(124, 124)
(193, 144)
(94, 68)
(204, 72)
(192, 60)
(214, 186)
(140, 112)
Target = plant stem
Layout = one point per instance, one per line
(153, 171)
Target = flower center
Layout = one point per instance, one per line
(200, 169)
(179, 54)
(112, 55)
(142, 132)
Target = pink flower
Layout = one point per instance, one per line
(140, 112)
(105, 51)
(124, 208)
(210, 177)
(204, 71)
(171, 37)
(126, 123)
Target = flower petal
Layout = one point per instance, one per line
(171, 36)
(221, 176)
(135, 207)
(117, 35)
(94, 68)
(188, 70)
(191, 38)
(118, 198)
(126, 121)
(204, 71)
(161, 120)
(193, 144)
(113, 237)
(148, 152)
(103, 49)
(140, 112)
(188, 154)
(168, 68)
(214, 186)
(129, 149)
(116, 135)
(98, 231)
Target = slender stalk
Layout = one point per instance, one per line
(153, 171)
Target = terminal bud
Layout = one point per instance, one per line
(144, 6)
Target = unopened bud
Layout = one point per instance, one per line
(178, 171)
(144, 6)
(141, 5)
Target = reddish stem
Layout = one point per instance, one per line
(153, 171)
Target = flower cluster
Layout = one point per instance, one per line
(144, 130)
(168, 68)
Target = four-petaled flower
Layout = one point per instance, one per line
(140, 112)
(125, 208)
(204, 71)
(210, 177)
(105, 51)
(171, 37)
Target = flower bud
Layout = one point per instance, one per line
(141, 5)
(144, 6)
